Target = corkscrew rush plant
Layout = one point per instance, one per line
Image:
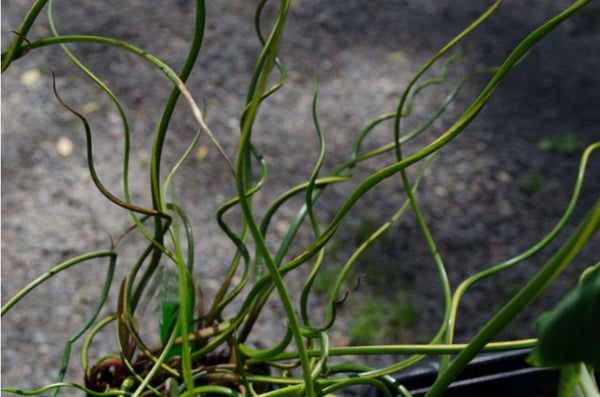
(202, 350)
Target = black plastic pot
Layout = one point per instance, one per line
(489, 375)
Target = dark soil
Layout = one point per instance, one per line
(489, 195)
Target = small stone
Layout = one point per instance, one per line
(44, 348)
(64, 146)
(90, 107)
(30, 77)
(504, 177)
(440, 191)
(505, 208)
(201, 153)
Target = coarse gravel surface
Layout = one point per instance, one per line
(489, 194)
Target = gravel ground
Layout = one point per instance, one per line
(488, 195)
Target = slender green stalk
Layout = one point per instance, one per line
(87, 324)
(309, 198)
(380, 386)
(211, 390)
(113, 98)
(268, 353)
(430, 349)
(157, 365)
(159, 138)
(55, 270)
(587, 383)
(53, 386)
(88, 341)
(16, 44)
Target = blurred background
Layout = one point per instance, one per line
(490, 194)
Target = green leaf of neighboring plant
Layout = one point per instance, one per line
(568, 333)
